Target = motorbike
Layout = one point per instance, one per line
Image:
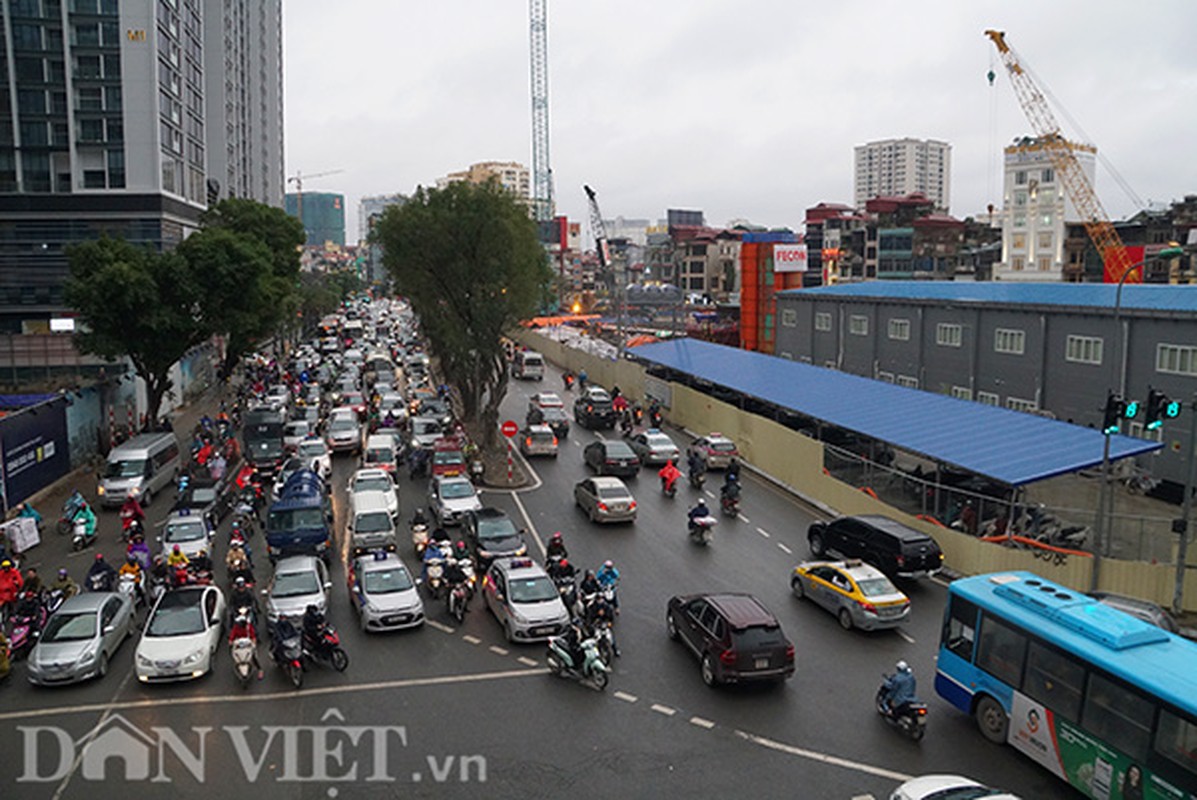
(66, 522)
(52, 600)
(702, 529)
(669, 487)
(593, 671)
(243, 651)
(288, 655)
(697, 478)
(130, 526)
(419, 537)
(910, 718)
(325, 648)
(729, 505)
(128, 584)
(605, 640)
(27, 624)
(477, 470)
(457, 600)
(98, 582)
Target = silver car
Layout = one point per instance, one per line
(80, 638)
(524, 600)
(538, 440)
(654, 447)
(605, 499)
(298, 582)
(343, 434)
(191, 532)
(383, 594)
(450, 498)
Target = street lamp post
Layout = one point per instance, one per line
(1103, 522)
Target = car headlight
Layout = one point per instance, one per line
(100, 491)
(88, 654)
(142, 661)
(371, 608)
(194, 658)
(523, 551)
(517, 616)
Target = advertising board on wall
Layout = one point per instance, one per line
(789, 258)
(35, 450)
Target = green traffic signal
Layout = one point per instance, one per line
(1172, 409)
(1132, 409)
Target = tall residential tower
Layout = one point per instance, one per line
(899, 167)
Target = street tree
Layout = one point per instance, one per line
(468, 259)
(135, 302)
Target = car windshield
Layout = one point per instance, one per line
(70, 627)
(129, 468)
(496, 528)
(202, 497)
(722, 447)
(659, 440)
(295, 584)
(613, 493)
(386, 581)
(448, 457)
(184, 531)
(377, 454)
(424, 427)
(175, 617)
(874, 587)
(456, 489)
(295, 519)
(342, 424)
(313, 449)
(374, 522)
(296, 429)
(619, 450)
(379, 484)
(554, 414)
(533, 590)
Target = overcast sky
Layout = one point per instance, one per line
(745, 109)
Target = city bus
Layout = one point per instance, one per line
(1103, 700)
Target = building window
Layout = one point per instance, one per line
(1045, 241)
(1049, 175)
(899, 329)
(1083, 349)
(1045, 263)
(1017, 263)
(822, 321)
(1018, 404)
(1176, 359)
(908, 381)
(1020, 177)
(949, 334)
(789, 318)
(888, 377)
(858, 325)
(961, 393)
(1006, 340)
(1020, 199)
(1018, 241)
(1045, 220)
(989, 398)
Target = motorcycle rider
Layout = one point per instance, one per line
(281, 631)
(600, 615)
(10, 586)
(88, 517)
(669, 474)
(33, 581)
(729, 493)
(560, 571)
(556, 548)
(201, 565)
(572, 640)
(455, 576)
(696, 465)
(102, 573)
(608, 578)
(732, 472)
(242, 596)
(139, 550)
(242, 627)
(27, 510)
(313, 626)
(131, 511)
(177, 557)
(589, 590)
(132, 567)
(698, 512)
(900, 687)
(65, 584)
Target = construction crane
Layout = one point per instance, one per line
(542, 173)
(298, 178)
(1107, 241)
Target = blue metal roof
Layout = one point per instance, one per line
(1152, 297)
(1009, 446)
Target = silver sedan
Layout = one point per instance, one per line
(80, 638)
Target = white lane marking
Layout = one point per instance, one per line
(709, 493)
(627, 698)
(577, 443)
(108, 710)
(744, 519)
(666, 710)
(905, 635)
(438, 680)
(824, 758)
(471, 639)
(702, 723)
(440, 626)
(536, 481)
(499, 651)
(763, 532)
(863, 797)
(528, 522)
(784, 549)
(940, 581)
(527, 661)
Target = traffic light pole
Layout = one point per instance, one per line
(1182, 526)
(1099, 524)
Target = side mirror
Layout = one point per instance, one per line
(265, 592)
(109, 628)
(328, 584)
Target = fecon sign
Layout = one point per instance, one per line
(789, 258)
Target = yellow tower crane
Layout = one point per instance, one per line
(1107, 241)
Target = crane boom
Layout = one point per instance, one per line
(598, 229)
(1068, 169)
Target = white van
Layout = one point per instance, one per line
(371, 525)
(527, 365)
(144, 465)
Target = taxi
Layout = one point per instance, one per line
(859, 595)
(715, 450)
(524, 600)
(383, 594)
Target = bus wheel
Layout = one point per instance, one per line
(991, 719)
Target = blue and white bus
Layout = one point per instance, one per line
(1101, 699)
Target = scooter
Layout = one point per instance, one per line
(605, 640)
(243, 651)
(326, 649)
(127, 584)
(27, 624)
(702, 529)
(697, 478)
(669, 487)
(457, 600)
(729, 505)
(593, 671)
(477, 471)
(419, 537)
(910, 718)
(288, 655)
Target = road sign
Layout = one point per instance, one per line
(509, 428)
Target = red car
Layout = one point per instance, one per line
(448, 456)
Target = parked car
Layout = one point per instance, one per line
(383, 594)
(80, 638)
(611, 457)
(605, 499)
(538, 440)
(859, 595)
(298, 582)
(181, 635)
(654, 447)
(714, 450)
(491, 534)
(734, 636)
(892, 547)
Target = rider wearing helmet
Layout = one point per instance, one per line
(900, 687)
(556, 548)
(103, 573)
(177, 557)
(608, 578)
(65, 584)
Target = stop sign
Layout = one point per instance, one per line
(509, 428)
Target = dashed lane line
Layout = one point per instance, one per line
(624, 696)
(709, 493)
(763, 532)
(824, 758)
(784, 549)
(909, 639)
(743, 519)
(528, 662)
(528, 523)
(499, 651)
(471, 639)
(440, 626)
(702, 723)
(666, 710)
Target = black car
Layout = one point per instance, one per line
(734, 636)
(594, 410)
(206, 498)
(558, 420)
(491, 534)
(613, 457)
(890, 546)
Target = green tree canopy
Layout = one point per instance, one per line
(468, 260)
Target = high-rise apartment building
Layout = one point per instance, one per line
(900, 167)
(322, 215)
(105, 129)
(1035, 208)
(514, 177)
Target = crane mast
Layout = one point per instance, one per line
(1068, 169)
(598, 230)
(542, 173)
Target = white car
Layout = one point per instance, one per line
(298, 582)
(449, 498)
(947, 787)
(278, 396)
(314, 451)
(373, 479)
(295, 432)
(344, 433)
(182, 635)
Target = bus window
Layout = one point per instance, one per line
(1176, 740)
(961, 628)
(1001, 651)
(1119, 716)
(1055, 680)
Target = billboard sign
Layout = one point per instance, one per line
(34, 444)
(789, 258)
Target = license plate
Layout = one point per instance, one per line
(762, 663)
(396, 619)
(546, 631)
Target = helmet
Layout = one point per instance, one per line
(6, 564)
(589, 573)
(902, 666)
(311, 609)
(556, 536)
(240, 582)
(62, 573)
(100, 556)
(131, 559)
(608, 563)
(176, 549)
(565, 562)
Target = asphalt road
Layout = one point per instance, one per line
(447, 711)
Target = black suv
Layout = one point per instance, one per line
(594, 410)
(734, 636)
(491, 534)
(890, 546)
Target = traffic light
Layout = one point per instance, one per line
(1130, 409)
(1113, 416)
(1156, 400)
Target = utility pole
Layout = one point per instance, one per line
(1181, 526)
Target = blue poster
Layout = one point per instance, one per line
(35, 451)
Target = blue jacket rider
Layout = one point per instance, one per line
(900, 688)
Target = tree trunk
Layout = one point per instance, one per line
(156, 387)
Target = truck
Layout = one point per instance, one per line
(300, 521)
(262, 439)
